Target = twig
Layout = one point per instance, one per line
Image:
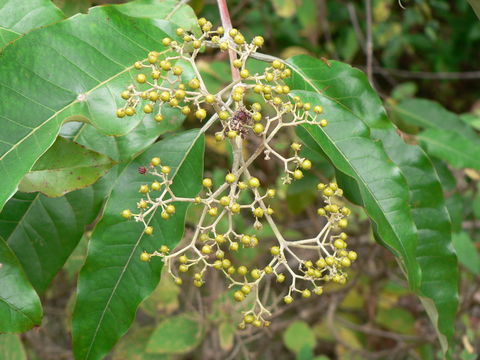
(176, 8)
(227, 25)
(369, 45)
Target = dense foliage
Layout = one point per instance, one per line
(395, 149)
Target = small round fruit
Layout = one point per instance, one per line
(275, 250)
(207, 182)
(306, 293)
(288, 299)
(126, 213)
(239, 296)
(230, 178)
(144, 256)
(149, 230)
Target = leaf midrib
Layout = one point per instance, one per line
(351, 111)
(97, 329)
(62, 110)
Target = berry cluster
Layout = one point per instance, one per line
(239, 120)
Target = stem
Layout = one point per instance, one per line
(368, 10)
(227, 25)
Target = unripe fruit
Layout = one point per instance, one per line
(155, 161)
(223, 115)
(213, 211)
(295, 146)
(144, 256)
(225, 201)
(343, 223)
(141, 78)
(194, 83)
(220, 239)
(246, 289)
(254, 182)
(298, 174)
(149, 230)
(244, 73)
(237, 63)
(183, 268)
(275, 250)
(249, 318)
(233, 246)
(210, 99)
(306, 293)
(318, 291)
(126, 213)
(144, 189)
(206, 249)
(280, 278)
(207, 182)
(255, 273)
(201, 114)
(258, 212)
(306, 164)
(158, 118)
(235, 208)
(230, 178)
(288, 299)
(257, 323)
(352, 255)
(345, 261)
(258, 41)
(242, 270)
(258, 128)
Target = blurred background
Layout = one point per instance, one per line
(423, 48)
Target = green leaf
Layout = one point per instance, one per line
(44, 231)
(434, 251)
(18, 17)
(77, 76)
(384, 192)
(65, 167)
(475, 4)
(472, 119)
(226, 334)
(164, 299)
(431, 115)
(176, 335)
(11, 347)
(20, 307)
(297, 335)
(458, 151)
(467, 253)
(124, 148)
(113, 272)
(284, 8)
(396, 319)
(133, 346)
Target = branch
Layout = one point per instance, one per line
(227, 25)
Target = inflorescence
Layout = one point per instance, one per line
(161, 83)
